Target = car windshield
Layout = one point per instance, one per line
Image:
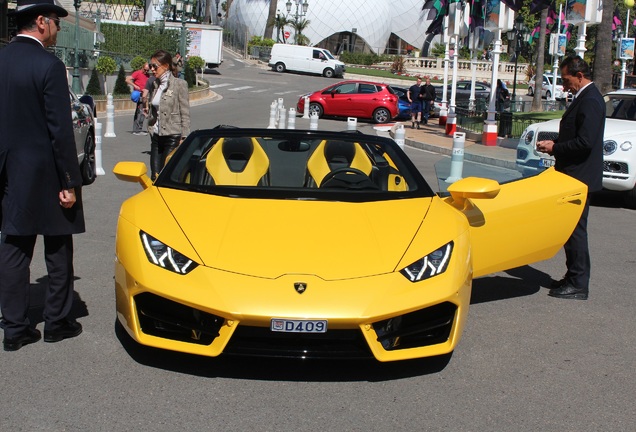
(328, 54)
(620, 106)
(289, 164)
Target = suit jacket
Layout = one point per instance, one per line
(174, 107)
(38, 157)
(578, 150)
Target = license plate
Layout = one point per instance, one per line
(298, 326)
(546, 163)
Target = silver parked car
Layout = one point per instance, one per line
(83, 114)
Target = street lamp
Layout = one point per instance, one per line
(301, 11)
(76, 84)
(184, 8)
(517, 34)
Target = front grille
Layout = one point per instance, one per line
(551, 136)
(261, 341)
(171, 320)
(615, 167)
(424, 327)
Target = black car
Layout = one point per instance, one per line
(482, 92)
(83, 115)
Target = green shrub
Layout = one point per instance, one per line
(139, 40)
(196, 62)
(94, 88)
(105, 66)
(121, 88)
(259, 41)
(190, 76)
(363, 58)
(138, 62)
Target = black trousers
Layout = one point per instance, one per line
(577, 253)
(16, 253)
(160, 147)
(139, 118)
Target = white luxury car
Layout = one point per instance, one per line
(619, 154)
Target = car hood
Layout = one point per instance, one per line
(270, 238)
(613, 127)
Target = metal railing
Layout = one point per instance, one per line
(507, 123)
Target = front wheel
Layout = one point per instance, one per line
(328, 73)
(88, 167)
(381, 115)
(315, 108)
(279, 67)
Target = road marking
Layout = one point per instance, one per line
(220, 85)
(260, 91)
(285, 92)
(241, 88)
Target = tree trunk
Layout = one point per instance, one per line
(602, 72)
(538, 80)
(271, 18)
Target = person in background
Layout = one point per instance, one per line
(578, 152)
(502, 95)
(168, 111)
(413, 95)
(137, 80)
(177, 65)
(40, 177)
(427, 95)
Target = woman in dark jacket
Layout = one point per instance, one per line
(168, 111)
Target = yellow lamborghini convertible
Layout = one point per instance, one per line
(318, 244)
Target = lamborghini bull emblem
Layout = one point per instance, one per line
(300, 287)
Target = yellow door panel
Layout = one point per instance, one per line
(528, 221)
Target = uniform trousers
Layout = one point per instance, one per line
(577, 253)
(16, 253)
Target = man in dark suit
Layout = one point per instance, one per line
(578, 152)
(40, 176)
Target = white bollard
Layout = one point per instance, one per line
(282, 120)
(352, 123)
(291, 119)
(313, 121)
(306, 109)
(280, 107)
(98, 149)
(457, 157)
(110, 117)
(400, 134)
(273, 110)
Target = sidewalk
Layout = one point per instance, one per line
(432, 137)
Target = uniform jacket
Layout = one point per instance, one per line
(578, 150)
(38, 157)
(174, 107)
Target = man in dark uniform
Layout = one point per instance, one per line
(578, 152)
(413, 95)
(40, 177)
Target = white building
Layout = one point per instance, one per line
(380, 26)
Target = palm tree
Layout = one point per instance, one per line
(271, 19)
(298, 27)
(603, 49)
(538, 83)
(280, 21)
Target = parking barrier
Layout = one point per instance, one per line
(457, 157)
(273, 110)
(306, 109)
(110, 117)
(291, 119)
(313, 121)
(98, 149)
(282, 117)
(400, 135)
(352, 123)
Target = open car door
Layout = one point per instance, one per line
(529, 220)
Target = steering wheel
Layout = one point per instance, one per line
(355, 181)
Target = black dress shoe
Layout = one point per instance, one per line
(558, 284)
(28, 337)
(69, 329)
(569, 291)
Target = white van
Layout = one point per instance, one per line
(305, 59)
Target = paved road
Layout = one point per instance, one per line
(527, 362)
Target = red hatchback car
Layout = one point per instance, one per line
(362, 99)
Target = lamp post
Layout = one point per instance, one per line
(278, 26)
(184, 8)
(517, 33)
(301, 11)
(76, 84)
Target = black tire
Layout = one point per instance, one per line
(316, 108)
(279, 67)
(530, 92)
(630, 199)
(381, 115)
(328, 73)
(88, 166)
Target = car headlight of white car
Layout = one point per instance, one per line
(529, 136)
(610, 146)
(430, 265)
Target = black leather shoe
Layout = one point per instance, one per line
(70, 329)
(28, 337)
(558, 284)
(569, 291)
